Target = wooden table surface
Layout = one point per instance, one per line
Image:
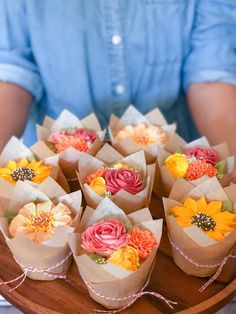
(71, 296)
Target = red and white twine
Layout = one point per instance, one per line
(221, 264)
(30, 269)
(134, 297)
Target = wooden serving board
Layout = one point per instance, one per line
(71, 296)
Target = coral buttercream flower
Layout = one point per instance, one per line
(199, 168)
(125, 179)
(80, 139)
(38, 221)
(99, 173)
(207, 154)
(23, 170)
(126, 257)
(142, 240)
(67, 141)
(177, 164)
(98, 185)
(206, 216)
(105, 237)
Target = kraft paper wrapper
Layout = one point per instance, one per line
(168, 180)
(123, 199)
(16, 150)
(130, 117)
(53, 251)
(113, 281)
(68, 160)
(192, 241)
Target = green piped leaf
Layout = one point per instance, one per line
(227, 206)
(221, 169)
(10, 217)
(98, 259)
(128, 226)
(180, 151)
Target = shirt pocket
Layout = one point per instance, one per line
(165, 23)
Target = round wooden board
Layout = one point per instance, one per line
(71, 296)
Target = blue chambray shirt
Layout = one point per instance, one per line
(102, 55)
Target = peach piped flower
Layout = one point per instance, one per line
(142, 134)
(127, 258)
(39, 221)
(177, 164)
(142, 240)
(23, 170)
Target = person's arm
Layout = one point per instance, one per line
(14, 108)
(20, 80)
(213, 106)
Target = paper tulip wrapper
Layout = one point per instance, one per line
(195, 162)
(35, 222)
(134, 131)
(119, 180)
(67, 136)
(202, 227)
(115, 253)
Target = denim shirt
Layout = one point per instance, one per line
(102, 55)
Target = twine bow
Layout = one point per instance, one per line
(221, 264)
(30, 269)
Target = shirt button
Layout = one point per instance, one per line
(116, 39)
(120, 89)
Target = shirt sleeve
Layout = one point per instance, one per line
(212, 56)
(17, 64)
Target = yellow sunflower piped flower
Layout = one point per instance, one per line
(126, 257)
(209, 217)
(38, 222)
(23, 170)
(177, 164)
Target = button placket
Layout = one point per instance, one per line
(115, 41)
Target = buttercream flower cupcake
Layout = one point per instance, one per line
(115, 250)
(120, 180)
(135, 131)
(196, 162)
(201, 222)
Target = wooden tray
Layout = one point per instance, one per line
(71, 296)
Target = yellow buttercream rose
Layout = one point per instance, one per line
(98, 185)
(126, 257)
(177, 164)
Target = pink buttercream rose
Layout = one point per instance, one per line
(55, 137)
(126, 179)
(208, 154)
(86, 135)
(105, 237)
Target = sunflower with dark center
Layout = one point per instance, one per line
(23, 170)
(208, 217)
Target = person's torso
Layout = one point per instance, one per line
(104, 55)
